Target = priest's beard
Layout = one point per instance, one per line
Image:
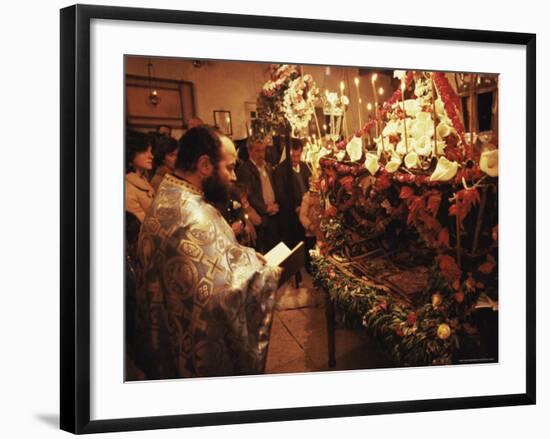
(215, 190)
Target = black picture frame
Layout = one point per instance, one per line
(75, 217)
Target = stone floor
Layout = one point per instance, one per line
(299, 336)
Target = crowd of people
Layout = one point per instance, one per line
(200, 213)
(273, 198)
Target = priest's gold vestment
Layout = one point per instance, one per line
(205, 303)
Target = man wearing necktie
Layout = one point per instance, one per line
(256, 175)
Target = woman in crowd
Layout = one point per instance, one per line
(166, 152)
(310, 216)
(139, 161)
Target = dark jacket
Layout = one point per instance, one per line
(249, 176)
(289, 193)
(268, 230)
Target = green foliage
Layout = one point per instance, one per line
(412, 341)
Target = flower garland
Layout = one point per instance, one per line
(452, 104)
(439, 331)
(281, 75)
(299, 102)
(270, 99)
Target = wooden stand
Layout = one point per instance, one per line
(331, 333)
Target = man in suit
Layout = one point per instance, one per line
(256, 175)
(291, 179)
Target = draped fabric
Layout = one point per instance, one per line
(205, 303)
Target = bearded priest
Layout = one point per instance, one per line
(204, 302)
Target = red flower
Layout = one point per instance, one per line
(433, 203)
(487, 267)
(443, 238)
(383, 182)
(394, 138)
(449, 268)
(347, 183)
(406, 193)
(398, 330)
(459, 296)
(465, 200)
(411, 318)
(330, 212)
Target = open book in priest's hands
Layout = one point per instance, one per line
(289, 260)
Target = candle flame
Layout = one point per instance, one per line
(369, 106)
(342, 86)
(380, 91)
(374, 77)
(356, 80)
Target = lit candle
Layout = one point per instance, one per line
(404, 114)
(369, 108)
(344, 119)
(356, 80)
(380, 91)
(373, 83)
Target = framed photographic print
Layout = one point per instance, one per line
(222, 120)
(400, 158)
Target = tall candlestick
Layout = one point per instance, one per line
(404, 115)
(434, 117)
(356, 80)
(344, 119)
(369, 118)
(375, 95)
(472, 110)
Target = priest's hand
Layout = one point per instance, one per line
(261, 258)
(237, 227)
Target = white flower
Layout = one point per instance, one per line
(412, 107)
(401, 147)
(445, 170)
(390, 128)
(394, 163)
(440, 108)
(332, 98)
(412, 160)
(443, 130)
(399, 74)
(441, 147)
(340, 155)
(371, 163)
(488, 162)
(422, 126)
(423, 146)
(355, 148)
(388, 146)
(344, 100)
(422, 89)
